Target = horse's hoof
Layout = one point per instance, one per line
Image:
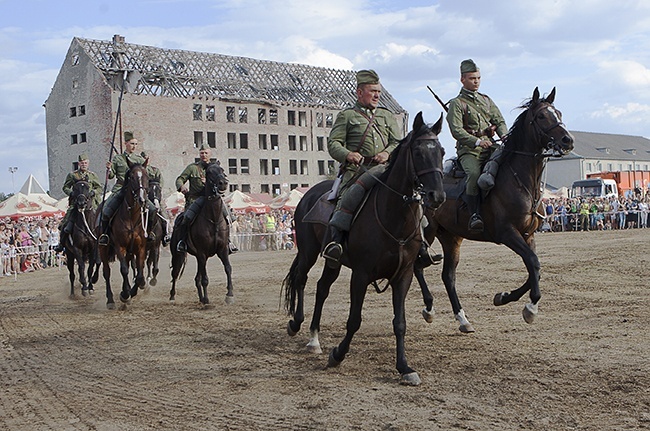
(410, 379)
(499, 298)
(91, 291)
(428, 315)
(125, 300)
(529, 312)
(110, 306)
(153, 282)
(466, 328)
(290, 330)
(314, 348)
(230, 300)
(84, 292)
(332, 362)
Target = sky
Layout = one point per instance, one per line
(595, 52)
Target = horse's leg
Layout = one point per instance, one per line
(81, 267)
(140, 282)
(106, 272)
(89, 272)
(358, 289)
(328, 277)
(70, 265)
(400, 288)
(201, 279)
(225, 260)
(152, 266)
(125, 295)
(177, 264)
(427, 297)
(526, 250)
(451, 250)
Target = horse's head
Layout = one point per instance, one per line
(155, 191)
(216, 181)
(136, 182)
(80, 195)
(552, 136)
(427, 156)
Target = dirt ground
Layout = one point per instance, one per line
(71, 364)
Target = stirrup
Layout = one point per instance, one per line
(333, 252)
(151, 237)
(165, 241)
(475, 223)
(103, 240)
(181, 247)
(232, 248)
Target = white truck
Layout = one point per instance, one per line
(594, 188)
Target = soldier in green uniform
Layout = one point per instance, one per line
(473, 120)
(194, 176)
(81, 174)
(118, 168)
(365, 135)
(155, 176)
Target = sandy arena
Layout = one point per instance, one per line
(71, 364)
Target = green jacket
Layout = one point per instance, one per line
(469, 115)
(348, 129)
(119, 167)
(154, 174)
(91, 178)
(195, 174)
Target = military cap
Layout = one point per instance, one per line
(128, 136)
(468, 66)
(203, 147)
(82, 157)
(367, 77)
(144, 154)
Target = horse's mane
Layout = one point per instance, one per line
(412, 135)
(517, 132)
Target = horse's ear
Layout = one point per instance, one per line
(535, 95)
(128, 163)
(437, 128)
(418, 122)
(146, 162)
(551, 97)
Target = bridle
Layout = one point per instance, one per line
(551, 148)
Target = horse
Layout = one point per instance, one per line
(206, 236)
(81, 246)
(511, 208)
(383, 242)
(128, 235)
(153, 246)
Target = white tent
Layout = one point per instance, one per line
(30, 201)
(287, 201)
(241, 203)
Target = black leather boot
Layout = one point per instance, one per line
(475, 220)
(334, 250)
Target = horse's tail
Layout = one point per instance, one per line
(289, 285)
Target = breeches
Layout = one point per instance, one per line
(472, 166)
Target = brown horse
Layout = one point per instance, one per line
(82, 242)
(128, 235)
(510, 210)
(383, 242)
(208, 235)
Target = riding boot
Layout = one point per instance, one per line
(475, 220)
(426, 258)
(153, 212)
(181, 247)
(232, 248)
(103, 228)
(62, 239)
(334, 250)
(166, 237)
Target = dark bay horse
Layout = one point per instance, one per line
(153, 246)
(208, 235)
(128, 235)
(383, 242)
(82, 242)
(510, 210)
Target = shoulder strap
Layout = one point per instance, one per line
(371, 122)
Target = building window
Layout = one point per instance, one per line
(328, 120)
(276, 189)
(232, 166)
(291, 118)
(75, 84)
(232, 187)
(243, 114)
(302, 118)
(320, 142)
(321, 167)
(197, 113)
(263, 144)
(303, 143)
(273, 116)
(293, 167)
(304, 167)
(275, 166)
(275, 142)
(264, 167)
(198, 139)
(244, 167)
(212, 139)
(209, 113)
(264, 188)
(82, 138)
(73, 111)
(330, 167)
(292, 143)
(246, 188)
(232, 141)
(243, 141)
(261, 116)
(319, 119)
(75, 59)
(293, 186)
(82, 110)
(230, 114)
(73, 139)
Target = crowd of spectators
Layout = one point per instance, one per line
(27, 244)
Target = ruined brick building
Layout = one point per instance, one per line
(267, 122)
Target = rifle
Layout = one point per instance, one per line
(443, 104)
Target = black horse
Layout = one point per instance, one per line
(154, 245)
(383, 242)
(128, 235)
(511, 210)
(208, 235)
(81, 244)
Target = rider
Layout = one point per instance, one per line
(362, 135)
(118, 168)
(473, 120)
(80, 174)
(155, 175)
(194, 174)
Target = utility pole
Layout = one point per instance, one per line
(13, 169)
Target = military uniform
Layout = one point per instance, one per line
(120, 166)
(195, 174)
